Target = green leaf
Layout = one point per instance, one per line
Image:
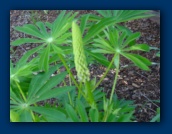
(100, 58)
(31, 30)
(94, 115)
(156, 118)
(72, 113)
(158, 54)
(102, 51)
(14, 116)
(111, 118)
(42, 29)
(97, 28)
(25, 116)
(44, 59)
(57, 23)
(138, 60)
(52, 82)
(21, 41)
(116, 37)
(123, 28)
(54, 93)
(49, 25)
(102, 12)
(62, 24)
(84, 22)
(81, 110)
(14, 96)
(39, 80)
(131, 38)
(25, 57)
(62, 39)
(124, 15)
(25, 70)
(122, 37)
(141, 47)
(125, 117)
(50, 112)
(103, 42)
(98, 95)
(58, 50)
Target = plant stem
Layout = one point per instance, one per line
(105, 117)
(67, 68)
(71, 75)
(114, 83)
(33, 116)
(104, 75)
(24, 98)
(89, 95)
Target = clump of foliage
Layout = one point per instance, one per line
(74, 42)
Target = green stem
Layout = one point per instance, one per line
(70, 100)
(105, 117)
(33, 116)
(89, 95)
(80, 87)
(71, 75)
(114, 83)
(24, 98)
(67, 68)
(104, 75)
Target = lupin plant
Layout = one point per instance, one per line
(85, 42)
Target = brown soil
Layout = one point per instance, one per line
(133, 83)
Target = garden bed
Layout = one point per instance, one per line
(133, 84)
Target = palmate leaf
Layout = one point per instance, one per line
(84, 23)
(125, 15)
(25, 57)
(31, 30)
(62, 23)
(24, 70)
(25, 116)
(62, 39)
(97, 28)
(138, 60)
(44, 58)
(52, 82)
(131, 38)
(72, 113)
(42, 29)
(58, 50)
(14, 97)
(94, 115)
(104, 42)
(99, 58)
(102, 51)
(122, 38)
(21, 41)
(14, 116)
(81, 110)
(140, 47)
(53, 93)
(39, 80)
(53, 113)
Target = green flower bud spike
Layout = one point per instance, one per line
(83, 73)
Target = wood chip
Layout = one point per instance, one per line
(135, 85)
